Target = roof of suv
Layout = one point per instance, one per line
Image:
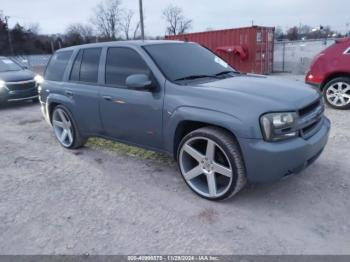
(122, 43)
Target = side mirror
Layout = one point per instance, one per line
(138, 82)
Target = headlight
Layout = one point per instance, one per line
(39, 79)
(278, 126)
(2, 84)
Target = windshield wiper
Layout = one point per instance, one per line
(226, 72)
(194, 77)
(191, 77)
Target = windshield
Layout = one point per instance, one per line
(7, 64)
(182, 61)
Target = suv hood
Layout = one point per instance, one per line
(15, 76)
(269, 93)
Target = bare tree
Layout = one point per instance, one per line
(85, 31)
(33, 28)
(130, 29)
(177, 22)
(77, 34)
(107, 18)
(136, 34)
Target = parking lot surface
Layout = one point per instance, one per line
(95, 201)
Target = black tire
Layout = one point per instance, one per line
(329, 85)
(78, 140)
(227, 142)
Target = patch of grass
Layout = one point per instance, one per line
(103, 144)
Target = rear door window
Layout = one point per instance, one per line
(122, 62)
(75, 73)
(57, 66)
(86, 65)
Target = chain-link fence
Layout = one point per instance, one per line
(296, 56)
(36, 63)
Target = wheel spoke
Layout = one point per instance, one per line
(336, 99)
(68, 124)
(63, 135)
(211, 184)
(194, 172)
(222, 170)
(337, 86)
(332, 89)
(342, 100)
(193, 153)
(210, 152)
(346, 96)
(58, 123)
(70, 137)
(61, 115)
(347, 89)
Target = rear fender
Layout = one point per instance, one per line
(59, 99)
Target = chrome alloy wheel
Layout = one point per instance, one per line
(338, 94)
(205, 167)
(63, 127)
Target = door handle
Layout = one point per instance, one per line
(108, 98)
(69, 93)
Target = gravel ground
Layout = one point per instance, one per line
(96, 201)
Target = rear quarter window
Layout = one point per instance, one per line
(57, 66)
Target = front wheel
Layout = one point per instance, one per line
(337, 93)
(65, 129)
(211, 163)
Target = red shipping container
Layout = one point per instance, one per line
(249, 49)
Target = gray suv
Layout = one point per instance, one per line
(224, 128)
(16, 82)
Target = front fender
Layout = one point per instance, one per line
(210, 117)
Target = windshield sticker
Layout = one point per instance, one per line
(220, 62)
(7, 61)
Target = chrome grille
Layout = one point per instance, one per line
(21, 85)
(311, 119)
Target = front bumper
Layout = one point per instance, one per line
(18, 95)
(267, 161)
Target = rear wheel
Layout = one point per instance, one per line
(211, 163)
(337, 93)
(65, 129)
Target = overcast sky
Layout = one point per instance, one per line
(53, 16)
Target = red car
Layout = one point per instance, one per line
(330, 71)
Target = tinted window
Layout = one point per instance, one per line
(89, 65)
(121, 63)
(180, 60)
(7, 65)
(57, 65)
(75, 73)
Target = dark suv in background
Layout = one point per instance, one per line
(222, 127)
(16, 82)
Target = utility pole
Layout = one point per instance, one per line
(9, 34)
(141, 21)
